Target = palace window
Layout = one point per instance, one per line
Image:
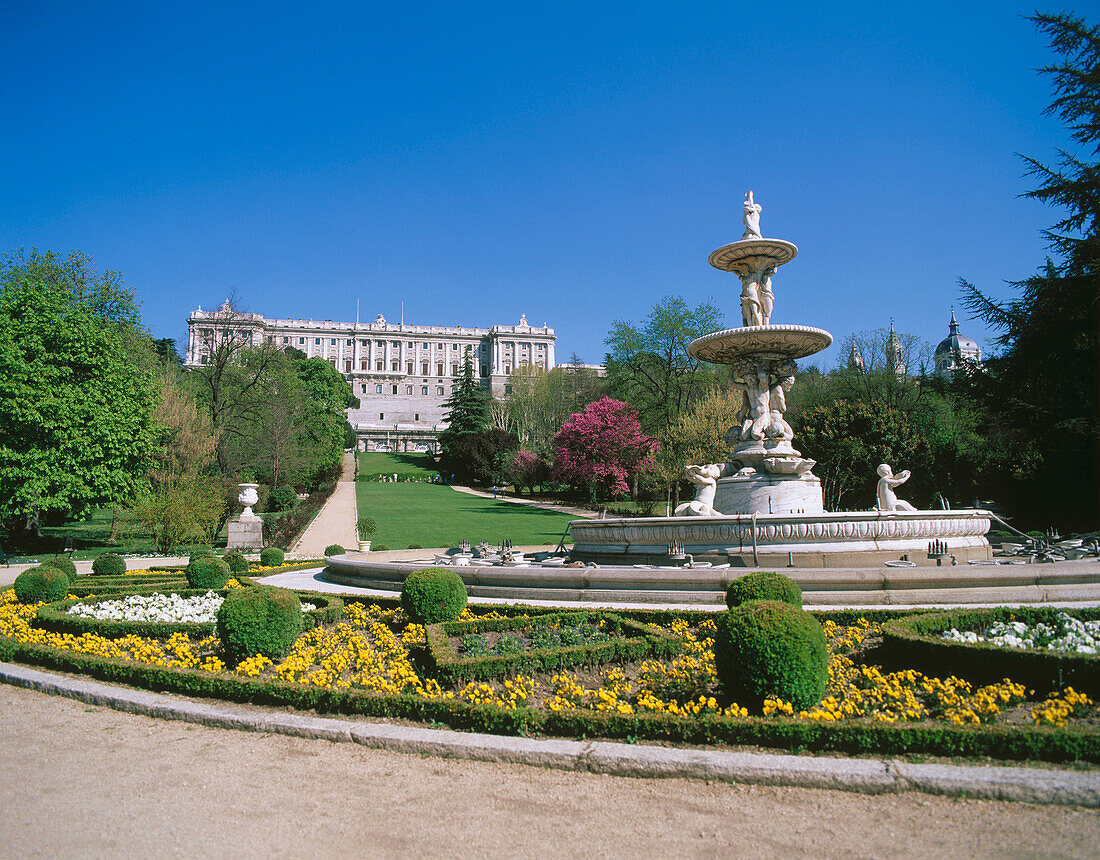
(378, 389)
(364, 343)
(439, 390)
(408, 389)
(439, 369)
(364, 364)
(347, 366)
(363, 388)
(381, 416)
(380, 365)
(409, 344)
(454, 347)
(350, 342)
(395, 365)
(301, 340)
(317, 341)
(408, 368)
(416, 416)
(424, 368)
(286, 340)
(393, 389)
(454, 369)
(332, 341)
(424, 390)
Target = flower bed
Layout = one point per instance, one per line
(1066, 633)
(918, 642)
(368, 660)
(543, 643)
(171, 608)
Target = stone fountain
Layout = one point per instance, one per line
(764, 505)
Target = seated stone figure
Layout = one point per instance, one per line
(706, 479)
(887, 499)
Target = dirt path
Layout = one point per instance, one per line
(336, 521)
(90, 782)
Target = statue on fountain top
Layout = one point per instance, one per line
(752, 218)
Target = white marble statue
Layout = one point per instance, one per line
(751, 306)
(767, 298)
(752, 218)
(778, 428)
(755, 413)
(706, 479)
(887, 480)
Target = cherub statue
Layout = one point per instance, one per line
(706, 479)
(887, 500)
(752, 218)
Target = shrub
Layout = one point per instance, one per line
(41, 584)
(763, 585)
(109, 564)
(366, 527)
(65, 566)
(207, 572)
(272, 556)
(766, 647)
(380, 547)
(282, 499)
(237, 562)
(415, 546)
(432, 595)
(334, 549)
(259, 620)
(200, 552)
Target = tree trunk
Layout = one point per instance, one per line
(113, 536)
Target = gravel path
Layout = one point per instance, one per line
(90, 782)
(335, 523)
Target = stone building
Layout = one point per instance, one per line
(954, 349)
(401, 373)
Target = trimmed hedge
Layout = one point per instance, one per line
(41, 584)
(432, 595)
(272, 556)
(55, 618)
(995, 741)
(334, 549)
(763, 585)
(65, 565)
(636, 642)
(109, 564)
(201, 552)
(237, 562)
(766, 647)
(259, 620)
(914, 642)
(207, 572)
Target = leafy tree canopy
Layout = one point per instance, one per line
(76, 407)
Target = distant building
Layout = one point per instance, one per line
(954, 349)
(401, 373)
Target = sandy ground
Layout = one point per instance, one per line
(81, 781)
(336, 521)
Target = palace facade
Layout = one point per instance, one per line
(401, 373)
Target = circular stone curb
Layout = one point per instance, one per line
(864, 776)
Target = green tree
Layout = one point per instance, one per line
(467, 414)
(698, 436)
(75, 408)
(1040, 395)
(538, 402)
(649, 367)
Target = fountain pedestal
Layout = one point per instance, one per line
(769, 494)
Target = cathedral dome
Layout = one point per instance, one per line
(953, 347)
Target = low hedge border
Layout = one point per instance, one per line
(639, 640)
(915, 643)
(999, 742)
(54, 617)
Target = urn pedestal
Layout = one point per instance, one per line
(247, 529)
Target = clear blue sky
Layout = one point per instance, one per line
(571, 161)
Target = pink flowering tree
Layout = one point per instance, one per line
(602, 448)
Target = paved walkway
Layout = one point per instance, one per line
(335, 523)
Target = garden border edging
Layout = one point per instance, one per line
(865, 776)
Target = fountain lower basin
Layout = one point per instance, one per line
(848, 539)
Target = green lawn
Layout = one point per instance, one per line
(90, 537)
(434, 515)
(404, 465)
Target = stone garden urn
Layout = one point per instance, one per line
(248, 497)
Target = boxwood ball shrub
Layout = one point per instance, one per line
(763, 585)
(272, 556)
(334, 549)
(109, 564)
(766, 647)
(236, 561)
(259, 620)
(41, 584)
(207, 572)
(65, 566)
(432, 595)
